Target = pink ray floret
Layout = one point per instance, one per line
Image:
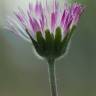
(39, 17)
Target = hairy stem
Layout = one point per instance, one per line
(52, 77)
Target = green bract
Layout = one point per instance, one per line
(51, 46)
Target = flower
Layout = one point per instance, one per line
(48, 27)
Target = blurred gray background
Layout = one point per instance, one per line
(23, 74)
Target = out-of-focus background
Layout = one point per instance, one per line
(23, 74)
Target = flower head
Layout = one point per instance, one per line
(49, 29)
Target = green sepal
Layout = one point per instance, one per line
(49, 39)
(41, 42)
(37, 47)
(51, 46)
(58, 35)
(57, 42)
(66, 40)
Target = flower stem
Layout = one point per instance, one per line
(52, 77)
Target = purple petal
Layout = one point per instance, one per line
(55, 5)
(34, 24)
(77, 8)
(42, 22)
(53, 20)
(38, 8)
(30, 7)
(66, 20)
(68, 23)
(20, 17)
(63, 17)
(76, 11)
